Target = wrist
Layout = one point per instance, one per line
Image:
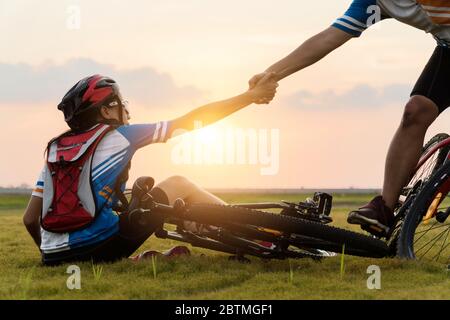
(248, 97)
(276, 71)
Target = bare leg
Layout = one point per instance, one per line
(405, 149)
(179, 187)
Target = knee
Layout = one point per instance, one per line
(420, 112)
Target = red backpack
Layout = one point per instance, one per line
(69, 203)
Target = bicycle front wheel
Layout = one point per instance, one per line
(425, 234)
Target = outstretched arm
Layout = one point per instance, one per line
(311, 51)
(263, 92)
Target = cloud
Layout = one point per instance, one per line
(23, 83)
(358, 97)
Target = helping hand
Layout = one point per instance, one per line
(256, 78)
(263, 88)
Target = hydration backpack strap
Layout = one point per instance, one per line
(121, 179)
(69, 201)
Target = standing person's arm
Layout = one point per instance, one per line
(310, 52)
(360, 15)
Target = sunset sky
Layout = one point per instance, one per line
(332, 122)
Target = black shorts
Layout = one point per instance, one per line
(434, 82)
(129, 238)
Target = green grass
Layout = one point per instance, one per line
(12, 202)
(210, 275)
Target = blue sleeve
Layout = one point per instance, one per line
(140, 135)
(358, 17)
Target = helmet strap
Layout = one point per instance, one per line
(121, 113)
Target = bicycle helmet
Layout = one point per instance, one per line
(82, 101)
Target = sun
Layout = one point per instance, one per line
(207, 136)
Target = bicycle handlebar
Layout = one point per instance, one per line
(178, 207)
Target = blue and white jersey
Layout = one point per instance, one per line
(431, 16)
(111, 157)
(356, 19)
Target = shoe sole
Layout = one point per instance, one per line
(372, 224)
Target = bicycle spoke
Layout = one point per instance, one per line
(428, 166)
(425, 171)
(443, 247)
(436, 239)
(437, 236)
(425, 232)
(441, 226)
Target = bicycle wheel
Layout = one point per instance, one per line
(418, 179)
(300, 232)
(432, 164)
(425, 233)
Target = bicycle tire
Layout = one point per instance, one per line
(441, 155)
(222, 215)
(436, 140)
(403, 210)
(423, 200)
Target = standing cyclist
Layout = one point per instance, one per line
(429, 98)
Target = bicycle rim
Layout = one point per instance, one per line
(431, 165)
(426, 232)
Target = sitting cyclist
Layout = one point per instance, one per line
(72, 211)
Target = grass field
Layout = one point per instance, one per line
(210, 275)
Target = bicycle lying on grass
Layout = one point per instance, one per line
(302, 229)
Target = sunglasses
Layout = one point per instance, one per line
(124, 104)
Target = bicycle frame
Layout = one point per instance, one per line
(220, 239)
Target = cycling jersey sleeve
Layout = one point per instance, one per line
(140, 135)
(360, 16)
(38, 190)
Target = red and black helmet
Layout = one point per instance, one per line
(86, 96)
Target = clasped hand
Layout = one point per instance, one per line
(263, 87)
